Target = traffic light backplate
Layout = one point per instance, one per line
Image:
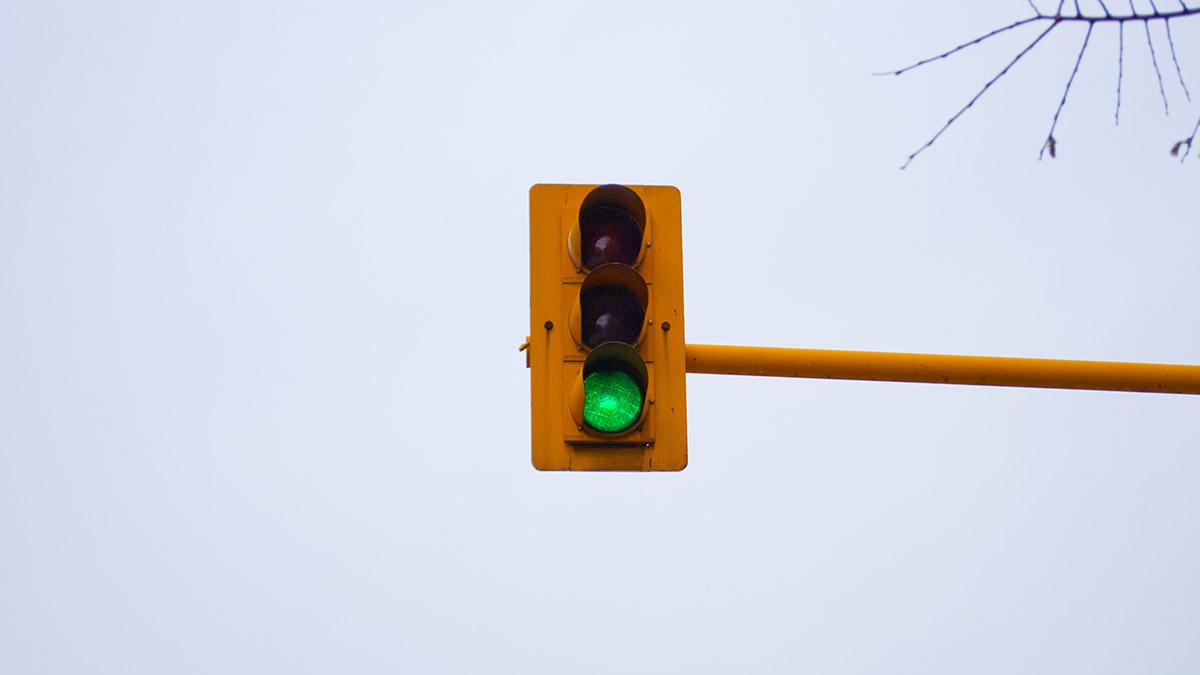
(606, 340)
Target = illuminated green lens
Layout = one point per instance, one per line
(612, 401)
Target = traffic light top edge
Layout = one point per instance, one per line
(536, 186)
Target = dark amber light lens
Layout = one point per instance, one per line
(610, 314)
(610, 234)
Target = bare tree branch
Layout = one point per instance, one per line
(1112, 18)
(975, 98)
(1055, 19)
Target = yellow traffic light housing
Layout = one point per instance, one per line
(606, 347)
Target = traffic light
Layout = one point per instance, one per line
(606, 348)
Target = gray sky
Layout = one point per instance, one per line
(264, 270)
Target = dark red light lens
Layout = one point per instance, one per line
(611, 313)
(610, 234)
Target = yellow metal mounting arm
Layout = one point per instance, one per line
(943, 369)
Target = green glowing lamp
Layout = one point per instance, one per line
(612, 401)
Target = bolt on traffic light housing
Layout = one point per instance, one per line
(606, 347)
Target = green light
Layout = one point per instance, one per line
(612, 401)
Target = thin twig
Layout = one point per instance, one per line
(1153, 56)
(1050, 141)
(1120, 71)
(977, 96)
(1178, 68)
(963, 46)
(1157, 71)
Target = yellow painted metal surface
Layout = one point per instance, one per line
(555, 357)
(944, 369)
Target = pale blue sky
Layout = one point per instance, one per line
(263, 273)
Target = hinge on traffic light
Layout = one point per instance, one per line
(524, 347)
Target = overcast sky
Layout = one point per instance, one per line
(264, 271)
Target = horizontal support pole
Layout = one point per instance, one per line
(943, 369)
